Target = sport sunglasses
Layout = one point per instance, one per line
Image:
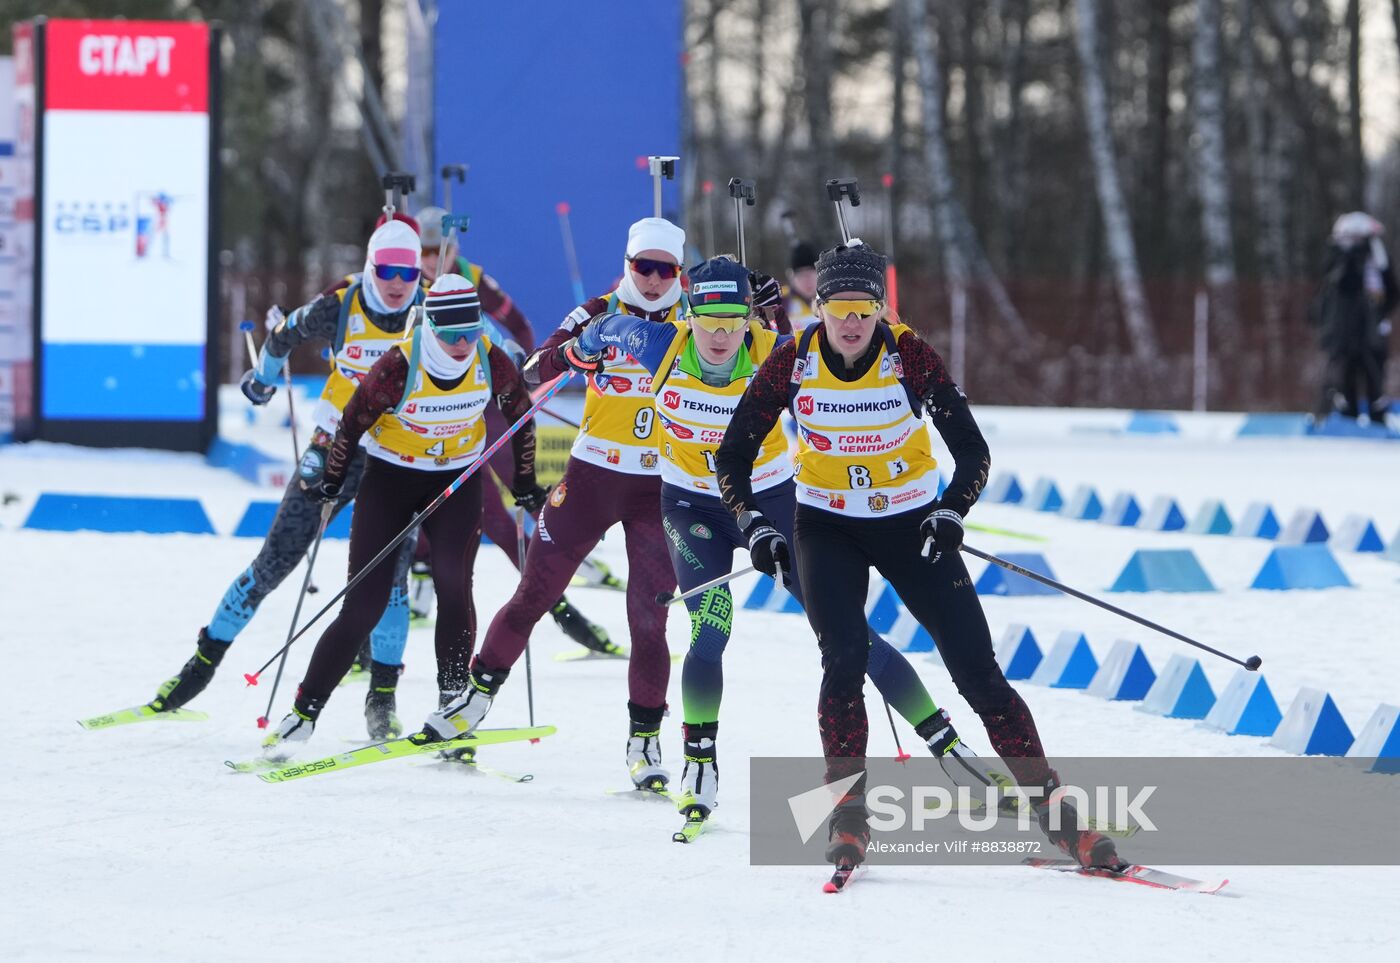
(387, 272)
(646, 267)
(841, 308)
(456, 334)
(728, 323)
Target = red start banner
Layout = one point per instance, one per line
(130, 65)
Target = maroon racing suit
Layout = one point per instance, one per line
(587, 502)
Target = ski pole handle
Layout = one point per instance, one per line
(247, 328)
(743, 193)
(1252, 663)
(670, 599)
(509, 433)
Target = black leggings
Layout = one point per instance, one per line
(388, 499)
(834, 556)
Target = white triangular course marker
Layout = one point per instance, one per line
(810, 808)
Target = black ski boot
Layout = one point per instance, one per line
(381, 722)
(585, 633)
(848, 834)
(1059, 820)
(194, 676)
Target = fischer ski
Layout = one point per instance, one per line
(466, 758)
(581, 654)
(413, 745)
(695, 822)
(1133, 873)
(653, 789)
(142, 713)
(594, 574)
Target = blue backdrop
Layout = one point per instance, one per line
(555, 101)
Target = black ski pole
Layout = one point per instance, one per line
(1252, 663)
(252, 677)
(326, 510)
(743, 193)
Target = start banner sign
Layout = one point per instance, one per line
(124, 257)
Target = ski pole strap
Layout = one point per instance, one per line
(1252, 663)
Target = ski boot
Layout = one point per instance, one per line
(293, 731)
(359, 669)
(463, 714)
(587, 634)
(1059, 820)
(381, 722)
(848, 833)
(421, 595)
(644, 748)
(193, 677)
(700, 779)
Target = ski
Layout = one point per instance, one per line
(978, 808)
(656, 789)
(695, 822)
(841, 878)
(393, 749)
(1133, 873)
(466, 758)
(594, 574)
(143, 713)
(581, 654)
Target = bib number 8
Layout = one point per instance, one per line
(642, 427)
(859, 476)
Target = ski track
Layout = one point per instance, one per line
(137, 842)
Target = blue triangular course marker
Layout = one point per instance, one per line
(1003, 489)
(1211, 519)
(340, 525)
(1123, 511)
(1245, 708)
(908, 635)
(1380, 740)
(62, 512)
(1083, 504)
(257, 520)
(1017, 652)
(1313, 726)
(1125, 675)
(885, 611)
(1151, 423)
(1304, 528)
(1163, 515)
(942, 484)
(1000, 581)
(759, 595)
(1358, 534)
(1274, 425)
(1182, 691)
(1045, 497)
(1300, 567)
(1070, 663)
(1163, 570)
(1259, 521)
(783, 601)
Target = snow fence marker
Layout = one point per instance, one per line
(1182, 691)
(1313, 726)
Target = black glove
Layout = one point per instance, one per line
(942, 531)
(323, 490)
(767, 547)
(531, 499)
(312, 467)
(254, 390)
(766, 291)
(570, 354)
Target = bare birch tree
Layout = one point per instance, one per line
(1118, 230)
(1212, 169)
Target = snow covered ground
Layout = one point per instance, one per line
(138, 843)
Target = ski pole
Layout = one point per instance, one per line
(571, 255)
(326, 511)
(902, 755)
(840, 189)
(252, 677)
(396, 184)
(448, 173)
(743, 193)
(891, 275)
(450, 223)
(558, 417)
(1252, 663)
(247, 328)
(660, 166)
(520, 557)
(669, 598)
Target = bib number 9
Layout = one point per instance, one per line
(859, 476)
(642, 427)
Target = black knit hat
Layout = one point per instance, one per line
(803, 255)
(851, 267)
